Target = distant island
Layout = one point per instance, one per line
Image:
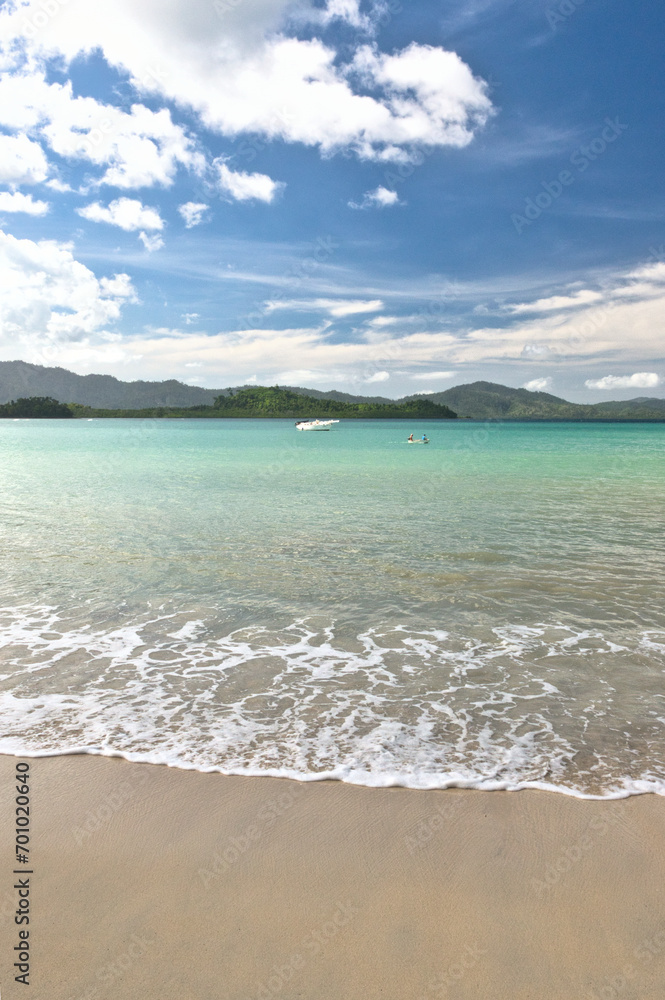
(106, 396)
(36, 406)
(274, 401)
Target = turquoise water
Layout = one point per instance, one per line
(236, 595)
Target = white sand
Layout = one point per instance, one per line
(157, 884)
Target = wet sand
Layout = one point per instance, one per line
(154, 883)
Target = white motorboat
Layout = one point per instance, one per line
(314, 425)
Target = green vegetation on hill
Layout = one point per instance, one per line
(488, 400)
(272, 401)
(491, 401)
(642, 408)
(36, 406)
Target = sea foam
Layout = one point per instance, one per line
(541, 706)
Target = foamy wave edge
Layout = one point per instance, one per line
(363, 779)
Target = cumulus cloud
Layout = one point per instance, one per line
(428, 376)
(538, 384)
(18, 202)
(380, 198)
(433, 91)
(137, 148)
(47, 297)
(242, 186)
(347, 11)
(378, 377)
(22, 161)
(192, 212)
(151, 243)
(237, 67)
(126, 213)
(640, 380)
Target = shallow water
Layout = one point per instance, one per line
(485, 610)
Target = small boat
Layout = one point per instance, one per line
(314, 425)
(422, 440)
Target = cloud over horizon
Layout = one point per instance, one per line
(640, 380)
(328, 189)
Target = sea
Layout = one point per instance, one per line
(484, 611)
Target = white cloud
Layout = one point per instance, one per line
(640, 380)
(302, 376)
(594, 336)
(138, 148)
(127, 213)
(47, 298)
(247, 187)
(18, 202)
(21, 161)
(383, 321)
(192, 213)
(57, 185)
(350, 307)
(236, 67)
(593, 331)
(380, 198)
(334, 307)
(190, 318)
(555, 303)
(428, 376)
(378, 377)
(434, 93)
(538, 384)
(151, 243)
(652, 272)
(335, 10)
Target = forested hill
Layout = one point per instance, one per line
(491, 401)
(35, 407)
(277, 402)
(265, 401)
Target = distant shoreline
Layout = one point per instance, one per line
(465, 420)
(151, 414)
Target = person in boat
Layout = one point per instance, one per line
(410, 437)
(424, 438)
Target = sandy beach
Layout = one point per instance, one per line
(154, 883)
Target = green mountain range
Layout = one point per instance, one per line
(475, 401)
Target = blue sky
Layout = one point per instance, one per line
(381, 197)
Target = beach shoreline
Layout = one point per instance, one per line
(154, 882)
